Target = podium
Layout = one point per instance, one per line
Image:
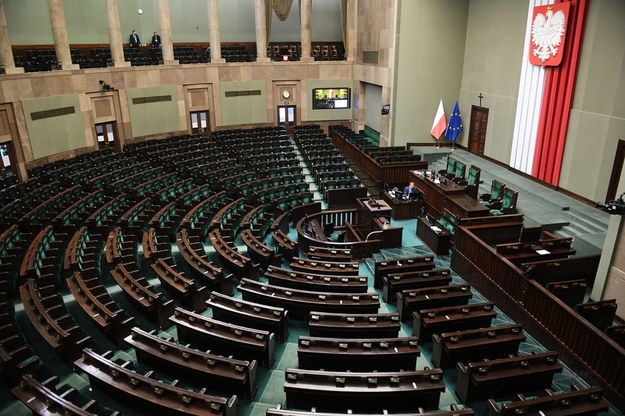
(376, 223)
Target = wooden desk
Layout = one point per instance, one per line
(391, 236)
(369, 354)
(576, 402)
(506, 376)
(395, 391)
(448, 195)
(379, 209)
(438, 242)
(340, 325)
(476, 344)
(402, 210)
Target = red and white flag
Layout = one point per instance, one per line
(440, 122)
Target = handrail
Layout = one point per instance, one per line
(360, 249)
(582, 346)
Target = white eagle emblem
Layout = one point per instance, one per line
(547, 32)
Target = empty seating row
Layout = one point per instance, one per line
(120, 380)
(225, 338)
(300, 303)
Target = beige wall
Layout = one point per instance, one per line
(429, 65)
(52, 135)
(160, 118)
(492, 66)
(598, 111)
(248, 109)
(153, 117)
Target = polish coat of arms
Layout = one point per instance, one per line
(548, 34)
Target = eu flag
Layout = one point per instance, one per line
(454, 128)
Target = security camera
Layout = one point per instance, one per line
(616, 207)
(105, 86)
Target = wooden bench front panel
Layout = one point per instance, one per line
(300, 303)
(316, 281)
(503, 376)
(403, 391)
(452, 318)
(412, 300)
(366, 354)
(407, 264)
(339, 325)
(255, 315)
(475, 344)
(393, 283)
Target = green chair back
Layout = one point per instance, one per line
(508, 198)
(473, 176)
(496, 189)
(451, 165)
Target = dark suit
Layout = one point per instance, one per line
(408, 190)
(134, 40)
(156, 41)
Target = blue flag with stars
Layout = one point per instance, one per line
(454, 128)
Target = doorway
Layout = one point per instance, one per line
(200, 123)
(477, 130)
(106, 134)
(6, 169)
(617, 168)
(286, 117)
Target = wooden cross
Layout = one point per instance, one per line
(480, 97)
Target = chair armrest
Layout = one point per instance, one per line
(495, 204)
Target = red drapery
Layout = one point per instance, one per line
(557, 99)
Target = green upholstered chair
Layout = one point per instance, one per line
(472, 183)
(451, 167)
(459, 172)
(493, 198)
(508, 203)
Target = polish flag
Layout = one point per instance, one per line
(440, 122)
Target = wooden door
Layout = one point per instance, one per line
(200, 123)
(286, 117)
(617, 168)
(477, 131)
(106, 134)
(6, 159)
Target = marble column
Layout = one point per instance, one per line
(6, 53)
(213, 32)
(59, 33)
(115, 34)
(305, 13)
(261, 31)
(167, 46)
(350, 42)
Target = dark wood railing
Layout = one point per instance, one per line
(587, 350)
(359, 249)
(394, 174)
